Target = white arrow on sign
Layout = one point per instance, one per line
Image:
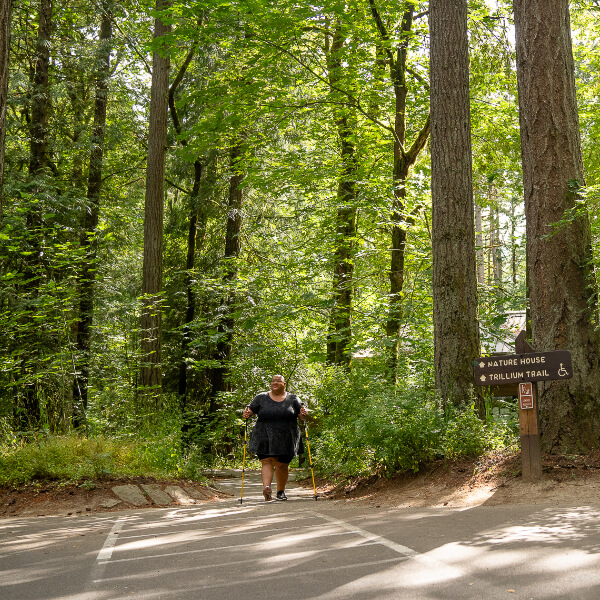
(481, 365)
(482, 378)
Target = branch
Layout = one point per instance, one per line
(382, 30)
(420, 79)
(174, 85)
(355, 102)
(419, 143)
(132, 45)
(172, 184)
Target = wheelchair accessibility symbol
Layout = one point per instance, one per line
(562, 372)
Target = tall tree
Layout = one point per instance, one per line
(5, 15)
(192, 232)
(404, 159)
(456, 332)
(30, 413)
(561, 279)
(340, 335)
(90, 218)
(151, 376)
(479, 245)
(40, 97)
(224, 346)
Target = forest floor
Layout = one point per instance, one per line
(493, 480)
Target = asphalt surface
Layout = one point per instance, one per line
(304, 548)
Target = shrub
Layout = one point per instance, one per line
(465, 434)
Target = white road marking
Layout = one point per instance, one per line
(199, 567)
(111, 540)
(200, 550)
(371, 537)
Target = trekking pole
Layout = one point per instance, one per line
(244, 460)
(309, 456)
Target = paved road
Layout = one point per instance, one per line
(304, 549)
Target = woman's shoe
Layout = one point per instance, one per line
(281, 495)
(267, 493)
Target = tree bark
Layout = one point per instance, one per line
(190, 310)
(88, 242)
(560, 273)
(151, 373)
(456, 332)
(340, 335)
(497, 261)
(479, 245)
(5, 18)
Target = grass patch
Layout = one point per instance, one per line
(77, 458)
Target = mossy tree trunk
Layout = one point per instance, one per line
(404, 159)
(224, 346)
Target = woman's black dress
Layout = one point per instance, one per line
(276, 432)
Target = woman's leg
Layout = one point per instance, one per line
(282, 471)
(268, 466)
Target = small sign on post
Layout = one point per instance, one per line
(526, 395)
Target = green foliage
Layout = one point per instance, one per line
(368, 427)
(65, 458)
(403, 432)
(75, 458)
(464, 435)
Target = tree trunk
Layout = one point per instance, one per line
(151, 373)
(75, 82)
(403, 161)
(30, 413)
(561, 278)
(218, 375)
(479, 245)
(40, 102)
(192, 236)
(5, 17)
(497, 252)
(90, 221)
(513, 241)
(340, 334)
(191, 296)
(456, 332)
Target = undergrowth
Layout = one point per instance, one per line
(360, 425)
(74, 458)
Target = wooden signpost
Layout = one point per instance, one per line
(524, 368)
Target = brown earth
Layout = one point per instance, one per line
(493, 480)
(45, 498)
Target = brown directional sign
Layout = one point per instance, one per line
(514, 368)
